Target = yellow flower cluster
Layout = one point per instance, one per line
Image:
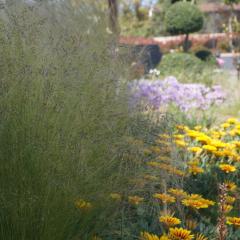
(197, 201)
(169, 221)
(213, 152)
(82, 204)
(167, 167)
(164, 197)
(220, 145)
(173, 234)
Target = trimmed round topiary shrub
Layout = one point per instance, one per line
(203, 53)
(183, 18)
(180, 61)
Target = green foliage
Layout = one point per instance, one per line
(64, 123)
(204, 54)
(187, 67)
(178, 61)
(183, 18)
(231, 2)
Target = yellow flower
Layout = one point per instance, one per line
(176, 171)
(219, 153)
(153, 164)
(150, 177)
(193, 162)
(227, 168)
(164, 237)
(135, 200)
(228, 152)
(209, 148)
(177, 192)
(178, 136)
(215, 134)
(236, 143)
(232, 120)
(195, 149)
(180, 234)
(227, 208)
(155, 149)
(198, 128)
(230, 199)
(163, 142)
(197, 201)
(203, 139)
(165, 136)
(115, 196)
(164, 197)
(218, 144)
(181, 143)
(233, 132)
(163, 158)
(231, 186)
(193, 134)
(233, 221)
(200, 236)
(194, 203)
(181, 127)
(225, 125)
(195, 170)
(96, 238)
(82, 204)
(170, 221)
(148, 236)
(191, 224)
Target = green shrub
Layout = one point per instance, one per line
(183, 18)
(203, 53)
(174, 62)
(186, 67)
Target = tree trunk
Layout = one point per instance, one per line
(113, 15)
(230, 29)
(186, 43)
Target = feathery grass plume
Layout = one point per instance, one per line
(64, 121)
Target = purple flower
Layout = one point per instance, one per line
(161, 93)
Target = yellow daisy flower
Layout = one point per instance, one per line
(82, 204)
(180, 234)
(230, 199)
(115, 196)
(227, 168)
(209, 148)
(178, 193)
(200, 236)
(164, 197)
(193, 169)
(232, 120)
(180, 143)
(164, 237)
(197, 201)
(233, 221)
(169, 221)
(227, 208)
(231, 186)
(225, 125)
(195, 149)
(148, 236)
(135, 200)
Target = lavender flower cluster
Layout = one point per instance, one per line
(161, 93)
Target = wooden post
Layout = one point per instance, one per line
(113, 15)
